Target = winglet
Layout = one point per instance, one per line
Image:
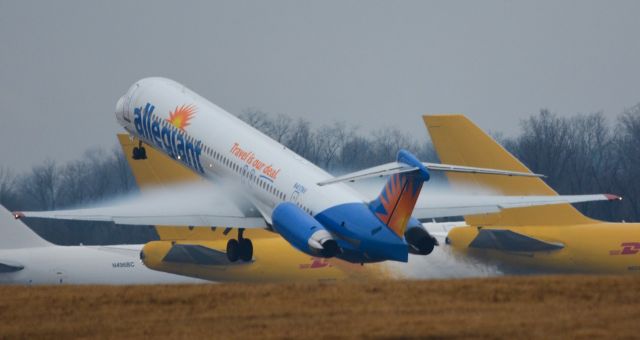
(612, 197)
(18, 215)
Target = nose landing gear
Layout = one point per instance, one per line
(139, 152)
(242, 248)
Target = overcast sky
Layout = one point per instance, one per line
(64, 64)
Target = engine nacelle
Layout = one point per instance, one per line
(303, 231)
(419, 240)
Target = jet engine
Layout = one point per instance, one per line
(303, 231)
(419, 240)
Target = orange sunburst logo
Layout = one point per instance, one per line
(181, 115)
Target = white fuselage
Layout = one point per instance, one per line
(217, 145)
(83, 265)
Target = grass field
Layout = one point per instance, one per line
(522, 307)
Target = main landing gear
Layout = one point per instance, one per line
(242, 248)
(139, 152)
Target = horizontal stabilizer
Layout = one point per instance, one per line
(398, 168)
(448, 206)
(479, 171)
(376, 171)
(507, 240)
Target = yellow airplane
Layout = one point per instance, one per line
(199, 251)
(554, 238)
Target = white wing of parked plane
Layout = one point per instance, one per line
(446, 206)
(396, 168)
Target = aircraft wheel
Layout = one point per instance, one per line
(139, 152)
(233, 250)
(246, 250)
(143, 153)
(136, 153)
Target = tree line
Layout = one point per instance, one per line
(580, 154)
(97, 176)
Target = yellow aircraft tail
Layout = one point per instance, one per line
(159, 170)
(459, 141)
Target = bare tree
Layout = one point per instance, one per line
(281, 128)
(302, 139)
(627, 146)
(544, 145)
(41, 186)
(122, 171)
(592, 157)
(258, 119)
(590, 143)
(329, 142)
(387, 142)
(356, 152)
(8, 197)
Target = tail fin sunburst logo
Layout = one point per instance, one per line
(181, 116)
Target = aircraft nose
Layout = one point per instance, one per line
(120, 110)
(142, 255)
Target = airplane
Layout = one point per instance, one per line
(315, 212)
(26, 258)
(274, 259)
(547, 239)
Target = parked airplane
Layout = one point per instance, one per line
(26, 258)
(544, 238)
(316, 213)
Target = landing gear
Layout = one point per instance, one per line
(242, 248)
(233, 250)
(139, 152)
(246, 250)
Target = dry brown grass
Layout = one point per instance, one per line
(522, 307)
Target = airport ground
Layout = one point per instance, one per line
(509, 307)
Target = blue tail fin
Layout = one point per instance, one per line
(395, 203)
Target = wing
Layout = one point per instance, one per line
(162, 218)
(191, 205)
(396, 168)
(447, 206)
